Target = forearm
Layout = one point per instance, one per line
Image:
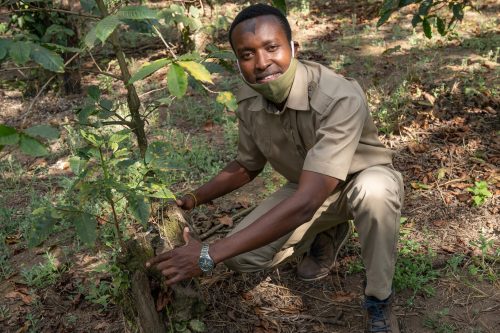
(282, 219)
(232, 177)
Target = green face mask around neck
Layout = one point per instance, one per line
(277, 90)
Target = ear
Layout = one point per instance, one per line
(295, 48)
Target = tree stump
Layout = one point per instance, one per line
(149, 295)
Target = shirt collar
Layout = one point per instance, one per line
(298, 99)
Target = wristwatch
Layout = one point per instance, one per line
(206, 262)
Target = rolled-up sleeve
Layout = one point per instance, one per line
(337, 137)
(249, 155)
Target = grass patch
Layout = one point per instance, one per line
(44, 274)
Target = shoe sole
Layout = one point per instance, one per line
(344, 241)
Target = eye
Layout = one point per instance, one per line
(246, 55)
(272, 48)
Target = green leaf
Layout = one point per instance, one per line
(119, 136)
(424, 8)
(88, 5)
(159, 191)
(177, 80)
(76, 164)
(441, 26)
(90, 37)
(458, 11)
(139, 207)
(43, 223)
(281, 5)
(86, 226)
(47, 59)
(427, 28)
(384, 17)
(227, 55)
(137, 13)
(20, 52)
(416, 20)
(94, 92)
(85, 112)
(197, 325)
(93, 139)
(106, 26)
(4, 46)
(44, 131)
(106, 104)
(8, 135)
(148, 69)
(227, 99)
(31, 146)
(56, 29)
(197, 70)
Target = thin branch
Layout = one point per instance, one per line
(164, 41)
(95, 62)
(219, 226)
(44, 86)
(103, 73)
(18, 68)
(53, 10)
(152, 91)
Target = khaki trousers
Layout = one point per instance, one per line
(371, 198)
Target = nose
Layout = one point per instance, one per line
(261, 61)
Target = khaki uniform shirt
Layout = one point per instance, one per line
(324, 127)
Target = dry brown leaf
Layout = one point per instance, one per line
(208, 126)
(343, 296)
(431, 99)
(463, 197)
(439, 223)
(226, 220)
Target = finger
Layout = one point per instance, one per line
(159, 258)
(179, 202)
(174, 280)
(169, 272)
(186, 235)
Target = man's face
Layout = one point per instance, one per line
(262, 48)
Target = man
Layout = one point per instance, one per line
(313, 126)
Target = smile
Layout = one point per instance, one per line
(267, 78)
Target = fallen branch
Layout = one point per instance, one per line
(219, 226)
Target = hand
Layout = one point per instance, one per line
(186, 202)
(180, 263)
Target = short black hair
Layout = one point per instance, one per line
(257, 10)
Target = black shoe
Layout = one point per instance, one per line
(323, 254)
(379, 315)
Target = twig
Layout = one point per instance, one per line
(18, 68)
(219, 226)
(152, 91)
(164, 41)
(95, 62)
(334, 321)
(53, 10)
(103, 73)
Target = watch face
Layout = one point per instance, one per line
(206, 264)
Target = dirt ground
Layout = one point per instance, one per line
(445, 138)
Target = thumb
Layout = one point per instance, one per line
(186, 235)
(179, 202)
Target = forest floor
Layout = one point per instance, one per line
(436, 103)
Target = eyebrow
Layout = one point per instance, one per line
(265, 43)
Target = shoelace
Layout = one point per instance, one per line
(379, 323)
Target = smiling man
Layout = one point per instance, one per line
(313, 126)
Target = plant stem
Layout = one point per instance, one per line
(132, 98)
(109, 197)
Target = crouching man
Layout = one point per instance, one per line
(314, 128)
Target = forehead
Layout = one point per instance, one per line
(260, 26)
